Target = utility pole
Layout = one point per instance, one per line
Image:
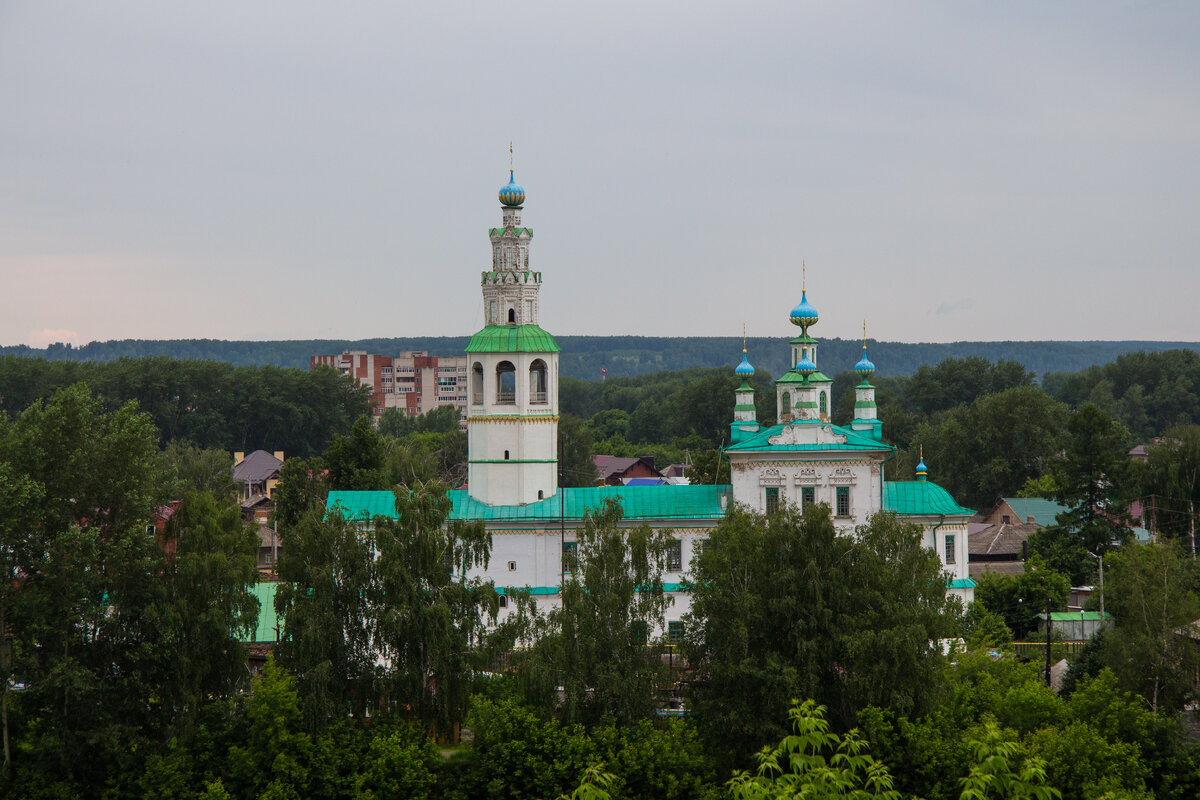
(1047, 640)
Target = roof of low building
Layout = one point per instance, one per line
(638, 503)
(256, 467)
(608, 466)
(267, 627)
(823, 436)
(920, 499)
(1042, 510)
(1004, 538)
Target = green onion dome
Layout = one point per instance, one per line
(512, 194)
(804, 314)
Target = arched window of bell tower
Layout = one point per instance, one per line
(506, 383)
(537, 382)
(477, 384)
(787, 404)
(823, 404)
(512, 316)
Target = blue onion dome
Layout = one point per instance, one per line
(922, 472)
(804, 314)
(864, 367)
(744, 369)
(806, 366)
(512, 194)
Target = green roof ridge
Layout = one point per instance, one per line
(512, 339)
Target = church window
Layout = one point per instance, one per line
(492, 312)
(506, 383)
(528, 312)
(639, 633)
(843, 501)
(808, 497)
(675, 556)
(949, 548)
(772, 499)
(787, 404)
(512, 316)
(675, 632)
(506, 455)
(477, 384)
(537, 382)
(570, 556)
(823, 404)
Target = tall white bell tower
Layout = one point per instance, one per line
(512, 417)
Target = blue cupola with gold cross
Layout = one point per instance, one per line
(744, 422)
(803, 393)
(512, 194)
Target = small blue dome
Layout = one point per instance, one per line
(864, 367)
(512, 194)
(804, 314)
(744, 369)
(806, 366)
(922, 472)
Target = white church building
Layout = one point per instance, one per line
(512, 433)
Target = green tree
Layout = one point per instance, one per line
(357, 461)
(187, 468)
(434, 628)
(1018, 599)
(782, 606)
(812, 762)
(596, 645)
(1151, 593)
(997, 772)
(275, 760)
(208, 609)
(303, 487)
(575, 464)
(328, 597)
(988, 449)
(708, 468)
(1169, 482)
(81, 634)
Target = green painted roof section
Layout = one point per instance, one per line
(517, 231)
(512, 339)
(1074, 616)
(1042, 510)
(803, 338)
(639, 502)
(761, 440)
(962, 583)
(920, 498)
(268, 620)
(792, 376)
(544, 590)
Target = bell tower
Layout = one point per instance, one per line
(512, 417)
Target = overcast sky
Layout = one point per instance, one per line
(283, 170)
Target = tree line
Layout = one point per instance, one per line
(584, 357)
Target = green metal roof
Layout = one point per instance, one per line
(795, 377)
(268, 620)
(761, 440)
(1074, 616)
(543, 590)
(1042, 510)
(639, 502)
(920, 498)
(512, 339)
(962, 583)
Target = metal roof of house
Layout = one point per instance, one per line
(256, 467)
(268, 621)
(638, 502)
(1004, 538)
(1043, 511)
(920, 498)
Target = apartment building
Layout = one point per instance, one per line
(412, 381)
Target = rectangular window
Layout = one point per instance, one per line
(492, 313)
(808, 497)
(843, 501)
(674, 632)
(528, 312)
(949, 548)
(772, 499)
(639, 632)
(700, 546)
(675, 556)
(570, 556)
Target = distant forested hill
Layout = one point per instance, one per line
(584, 356)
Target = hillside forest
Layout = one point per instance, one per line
(813, 667)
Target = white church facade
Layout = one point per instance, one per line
(512, 429)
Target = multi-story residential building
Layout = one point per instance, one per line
(413, 381)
